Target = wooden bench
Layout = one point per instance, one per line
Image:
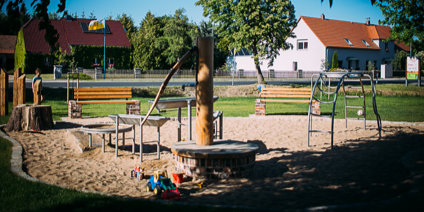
(102, 96)
(284, 95)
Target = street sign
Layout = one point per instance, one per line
(412, 68)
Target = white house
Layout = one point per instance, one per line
(318, 38)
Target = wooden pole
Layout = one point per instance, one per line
(16, 75)
(204, 92)
(21, 90)
(4, 88)
(67, 88)
(37, 92)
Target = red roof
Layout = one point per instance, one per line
(71, 33)
(332, 33)
(7, 44)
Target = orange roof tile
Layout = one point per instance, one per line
(7, 44)
(332, 33)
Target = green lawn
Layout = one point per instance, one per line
(391, 108)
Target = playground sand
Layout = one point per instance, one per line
(287, 173)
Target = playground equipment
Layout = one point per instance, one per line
(325, 93)
(204, 157)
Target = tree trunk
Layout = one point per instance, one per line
(259, 75)
(30, 117)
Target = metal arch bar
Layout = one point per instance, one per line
(342, 77)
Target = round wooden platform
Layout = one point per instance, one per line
(223, 159)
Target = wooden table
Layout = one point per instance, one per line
(154, 121)
(179, 103)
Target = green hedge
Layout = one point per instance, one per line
(20, 51)
(84, 56)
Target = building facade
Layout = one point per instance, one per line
(82, 47)
(316, 40)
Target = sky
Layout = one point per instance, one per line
(352, 10)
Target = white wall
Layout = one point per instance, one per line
(307, 59)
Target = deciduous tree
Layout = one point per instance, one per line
(261, 26)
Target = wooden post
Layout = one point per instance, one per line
(4, 88)
(204, 92)
(16, 75)
(67, 88)
(37, 92)
(21, 90)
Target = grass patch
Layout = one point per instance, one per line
(390, 108)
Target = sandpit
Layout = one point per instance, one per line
(287, 173)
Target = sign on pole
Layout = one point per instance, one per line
(413, 69)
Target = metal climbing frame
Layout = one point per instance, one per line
(327, 94)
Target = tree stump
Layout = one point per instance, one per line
(30, 117)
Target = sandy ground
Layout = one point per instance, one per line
(287, 173)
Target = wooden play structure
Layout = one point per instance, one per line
(24, 117)
(4, 93)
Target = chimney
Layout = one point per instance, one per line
(368, 22)
(322, 16)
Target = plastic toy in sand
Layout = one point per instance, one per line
(162, 186)
(138, 173)
(177, 178)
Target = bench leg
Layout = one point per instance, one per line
(90, 140)
(260, 108)
(103, 143)
(133, 140)
(133, 108)
(74, 109)
(221, 123)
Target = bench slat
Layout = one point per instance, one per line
(286, 100)
(287, 89)
(102, 93)
(104, 97)
(102, 89)
(106, 102)
(286, 96)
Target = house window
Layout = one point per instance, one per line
(111, 62)
(96, 62)
(366, 44)
(386, 46)
(294, 66)
(348, 42)
(47, 61)
(302, 44)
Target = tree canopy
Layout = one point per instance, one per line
(261, 26)
(406, 17)
(161, 41)
(16, 15)
(41, 11)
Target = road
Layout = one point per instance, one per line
(62, 84)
